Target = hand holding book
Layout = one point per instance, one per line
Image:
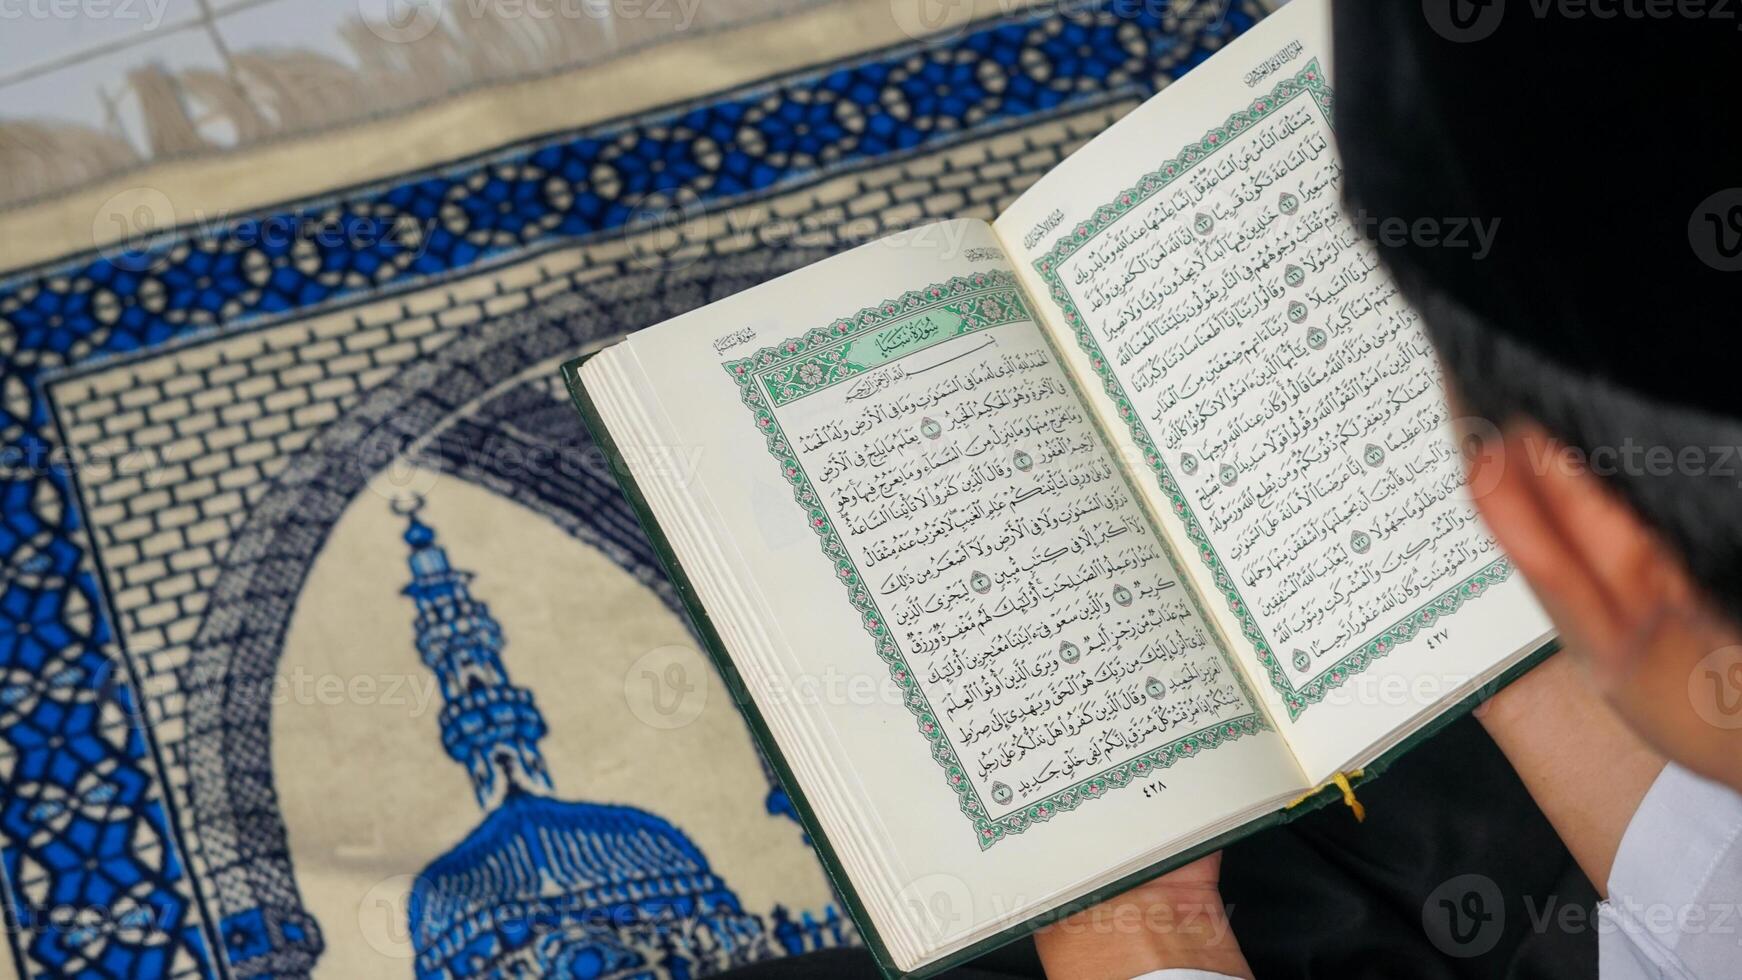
(1173, 922)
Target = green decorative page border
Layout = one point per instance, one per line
(1309, 82)
(779, 375)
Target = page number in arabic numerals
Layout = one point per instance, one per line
(1438, 639)
(1153, 788)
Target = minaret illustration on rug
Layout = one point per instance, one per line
(543, 886)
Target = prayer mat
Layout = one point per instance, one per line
(327, 642)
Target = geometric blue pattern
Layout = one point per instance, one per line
(85, 828)
(595, 182)
(89, 863)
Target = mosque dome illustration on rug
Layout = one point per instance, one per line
(544, 886)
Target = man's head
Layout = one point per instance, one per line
(1590, 347)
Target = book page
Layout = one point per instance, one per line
(969, 640)
(1266, 373)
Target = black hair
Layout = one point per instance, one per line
(1680, 469)
(1602, 312)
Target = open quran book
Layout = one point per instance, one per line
(1047, 554)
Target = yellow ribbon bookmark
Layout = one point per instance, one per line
(1341, 781)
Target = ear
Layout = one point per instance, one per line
(1595, 566)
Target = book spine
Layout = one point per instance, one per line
(729, 675)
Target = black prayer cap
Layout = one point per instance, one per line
(1608, 148)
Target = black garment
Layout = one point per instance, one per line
(1329, 897)
(1597, 145)
(1326, 897)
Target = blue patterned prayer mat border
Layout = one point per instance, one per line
(85, 822)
